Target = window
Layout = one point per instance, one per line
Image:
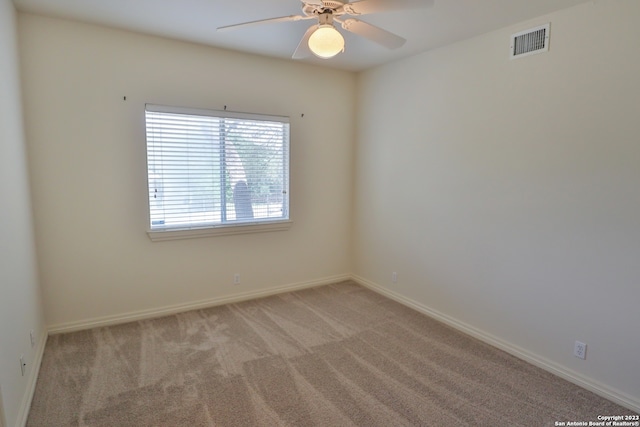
(210, 172)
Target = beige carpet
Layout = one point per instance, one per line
(334, 355)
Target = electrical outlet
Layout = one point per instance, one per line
(394, 277)
(23, 365)
(236, 279)
(580, 350)
(33, 338)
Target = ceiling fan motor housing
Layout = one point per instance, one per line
(320, 7)
(333, 4)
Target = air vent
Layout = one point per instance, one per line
(529, 42)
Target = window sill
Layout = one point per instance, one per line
(221, 230)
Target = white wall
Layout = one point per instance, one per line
(506, 194)
(88, 168)
(20, 309)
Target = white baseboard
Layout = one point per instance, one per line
(596, 387)
(23, 412)
(180, 308)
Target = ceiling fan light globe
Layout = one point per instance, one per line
(326, 42)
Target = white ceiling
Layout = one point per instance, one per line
(445, 22)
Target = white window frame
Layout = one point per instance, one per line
(224, 228)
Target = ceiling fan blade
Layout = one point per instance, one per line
(303, 51)
(373, 33)
(265, 21)
(364, 7)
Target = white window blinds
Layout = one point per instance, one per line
(215, 168)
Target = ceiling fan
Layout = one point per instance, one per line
(323, 40)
